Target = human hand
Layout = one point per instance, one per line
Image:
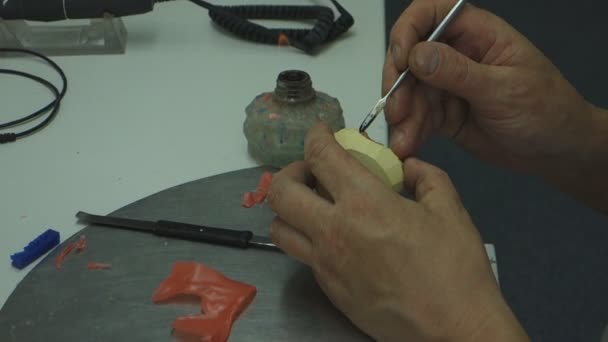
(519, 110)
(399, 269)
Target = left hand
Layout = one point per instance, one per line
(399, 269)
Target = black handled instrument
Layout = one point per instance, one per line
(184, 231)
(54, 10)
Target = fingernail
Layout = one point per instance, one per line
(396, 52)
(427, 59)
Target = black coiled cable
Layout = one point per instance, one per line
(235, 19)
(53, 106)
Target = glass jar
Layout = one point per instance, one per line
(277, 122)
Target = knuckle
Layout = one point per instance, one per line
(441, 181)
(403, 24)
(518, 88)
(318, 150)
(461, 70)
(440, 178)
(440, 175)
(435, 179)
(395, 34)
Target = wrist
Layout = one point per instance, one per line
(500, 325)
(481, 316)
(598, 141)
(488, 318)
(582, 170)
(594, 139)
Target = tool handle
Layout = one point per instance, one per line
(433, 37)
(226, 237)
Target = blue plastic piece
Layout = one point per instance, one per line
(35, 249)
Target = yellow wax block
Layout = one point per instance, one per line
(378, 159)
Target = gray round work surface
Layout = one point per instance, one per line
(78, 304)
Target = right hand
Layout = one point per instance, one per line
(519, 110)
(400, 269)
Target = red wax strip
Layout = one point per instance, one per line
(258, 198)
(98, 266)
(263, 185)
(283, 39)
(78, 245)
(248, 200)
(64, 252)
(81, 244)
(222, 300)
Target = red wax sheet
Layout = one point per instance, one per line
(263, 185)
(78, 245)
(81, 244)
(283, 39)
(222, 300)
(250, 199)
(98, 266)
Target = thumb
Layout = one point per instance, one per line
(429, 184)
(441, 66)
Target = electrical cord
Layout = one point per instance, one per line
(53, 106)
(232, 18)
(235, 19)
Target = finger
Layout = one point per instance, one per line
(477, 142)
(417, 22)
(434, 98)
(406, 136)
(332, 165)
(446, 115)
(410, 28)
(474, 30)
(296, 203)
(441, 66)
(399, 103)
(291, 241)
(456, 112)
(427, 128)
(429, 184)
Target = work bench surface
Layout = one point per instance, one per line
(171, 109)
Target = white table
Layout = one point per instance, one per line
(167, 112)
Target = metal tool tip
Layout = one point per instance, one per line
(364, 125)
(372, 115)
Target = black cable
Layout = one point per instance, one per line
(38, 112)
(53, 106)
(235, 20)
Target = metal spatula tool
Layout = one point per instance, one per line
(434, 36)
